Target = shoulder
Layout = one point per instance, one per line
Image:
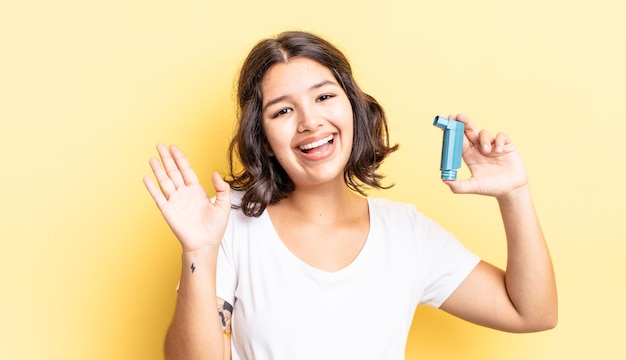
(390, 210)
(239, 225)
(236, 196)
(236, 214)
(400, 218)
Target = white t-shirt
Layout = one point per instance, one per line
(284, 308)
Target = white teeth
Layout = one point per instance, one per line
(317, 143)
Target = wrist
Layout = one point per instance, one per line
(516, 196)
(200, 262)
(203, 252)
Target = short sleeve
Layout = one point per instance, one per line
(446, 262)
(226, 275)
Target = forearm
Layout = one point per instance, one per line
(529, 277)
(195, 332)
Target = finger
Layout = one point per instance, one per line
(472, 133)
(222, 192)
(170, 166)
(165, 183)
(485, 139)
(187, 173)
(502, 139)
(463, 186)
(154, 191)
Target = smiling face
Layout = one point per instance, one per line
(307, 120)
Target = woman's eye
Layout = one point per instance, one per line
(324, 97)
(282, 112)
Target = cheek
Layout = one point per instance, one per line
(276, 141)
(348, 123)
(347, 113)
(270, 136)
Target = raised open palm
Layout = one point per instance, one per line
(196, 221)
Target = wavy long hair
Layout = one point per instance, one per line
(262, 179)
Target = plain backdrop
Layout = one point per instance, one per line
(87, 88)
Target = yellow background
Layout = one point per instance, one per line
(87, 88)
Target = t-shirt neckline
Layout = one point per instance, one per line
(276, 241)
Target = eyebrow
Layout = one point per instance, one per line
(283, 97)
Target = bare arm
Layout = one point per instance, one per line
(200, 328)
(523, 298)
(199, 225)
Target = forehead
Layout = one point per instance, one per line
(297, 74)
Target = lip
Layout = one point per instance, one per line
(317, 155)
(313, 139)
(316, 144)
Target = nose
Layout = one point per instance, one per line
(308, 120)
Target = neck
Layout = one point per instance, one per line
(331, 205)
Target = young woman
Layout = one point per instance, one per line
(308, 267)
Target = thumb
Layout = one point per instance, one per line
(461, 186)
(222, 191)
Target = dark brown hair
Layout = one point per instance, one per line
(263, 180)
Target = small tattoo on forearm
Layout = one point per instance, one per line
(193, 268)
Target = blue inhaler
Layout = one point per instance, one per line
(452, 150)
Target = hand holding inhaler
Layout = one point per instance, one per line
(452, 149)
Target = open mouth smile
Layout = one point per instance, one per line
(316, 144)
